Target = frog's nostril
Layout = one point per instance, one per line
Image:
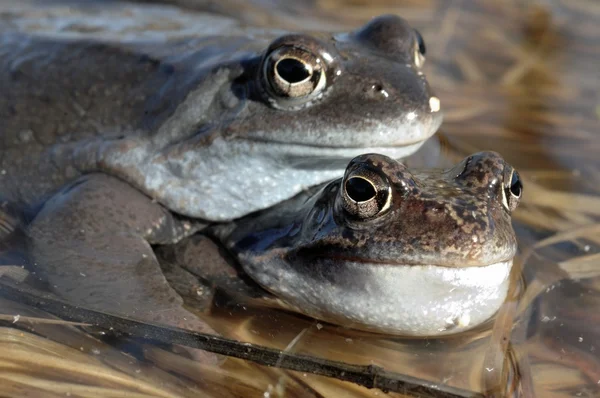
(376, 91)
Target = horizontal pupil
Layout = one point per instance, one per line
(360, 190)
(421, 42)
(515, 185)
(292, 70)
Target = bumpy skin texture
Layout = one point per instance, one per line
(435, 260)
(112, 140)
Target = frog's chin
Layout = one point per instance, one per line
(416, 300)
(227, 179)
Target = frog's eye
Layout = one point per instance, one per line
(294, 73)
(366, 194)
(421, 43)
(512, 191)
(420, 49)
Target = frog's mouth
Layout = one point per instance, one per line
(362, 134)
(326, 156)
(325, 146)
(464, 265)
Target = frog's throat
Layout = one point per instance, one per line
(424, 300)
(228, 179)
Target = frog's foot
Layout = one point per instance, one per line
(12, 235)
(197, 267)
(92, 242)
(196, 291)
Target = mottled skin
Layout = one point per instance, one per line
(116, 145)
(431, 258)
(184, 120)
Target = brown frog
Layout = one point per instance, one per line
(384, 249)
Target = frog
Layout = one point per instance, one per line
(384, 249)
(112, 144)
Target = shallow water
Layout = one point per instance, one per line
(515, 76)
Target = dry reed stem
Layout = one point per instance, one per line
(96, 374)
(33, 320)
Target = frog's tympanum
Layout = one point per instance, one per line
(115, 144)
(387, 249)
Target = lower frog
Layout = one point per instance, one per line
(384, 249)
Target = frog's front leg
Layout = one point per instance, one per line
(92, 239)
(197, 267)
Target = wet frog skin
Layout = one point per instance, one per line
(387, 249)
(206, 125)
(114, 145)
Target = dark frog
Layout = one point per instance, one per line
(387, 249)
(205, 126)
(116, 140)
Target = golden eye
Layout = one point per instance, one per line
(294, 73)
(421, 43)
(513, 189)
(420, 50)
(365, 194)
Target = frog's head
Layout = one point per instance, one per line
(386, 249)
(346, 94)
(287, 118)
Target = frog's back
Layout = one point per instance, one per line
(61, 93)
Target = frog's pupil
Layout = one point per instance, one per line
(421, 42)
(515, 185)
(292, 70)
(360, 190)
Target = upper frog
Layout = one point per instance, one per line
(121, 132)
(423, 252)
(211, 127)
